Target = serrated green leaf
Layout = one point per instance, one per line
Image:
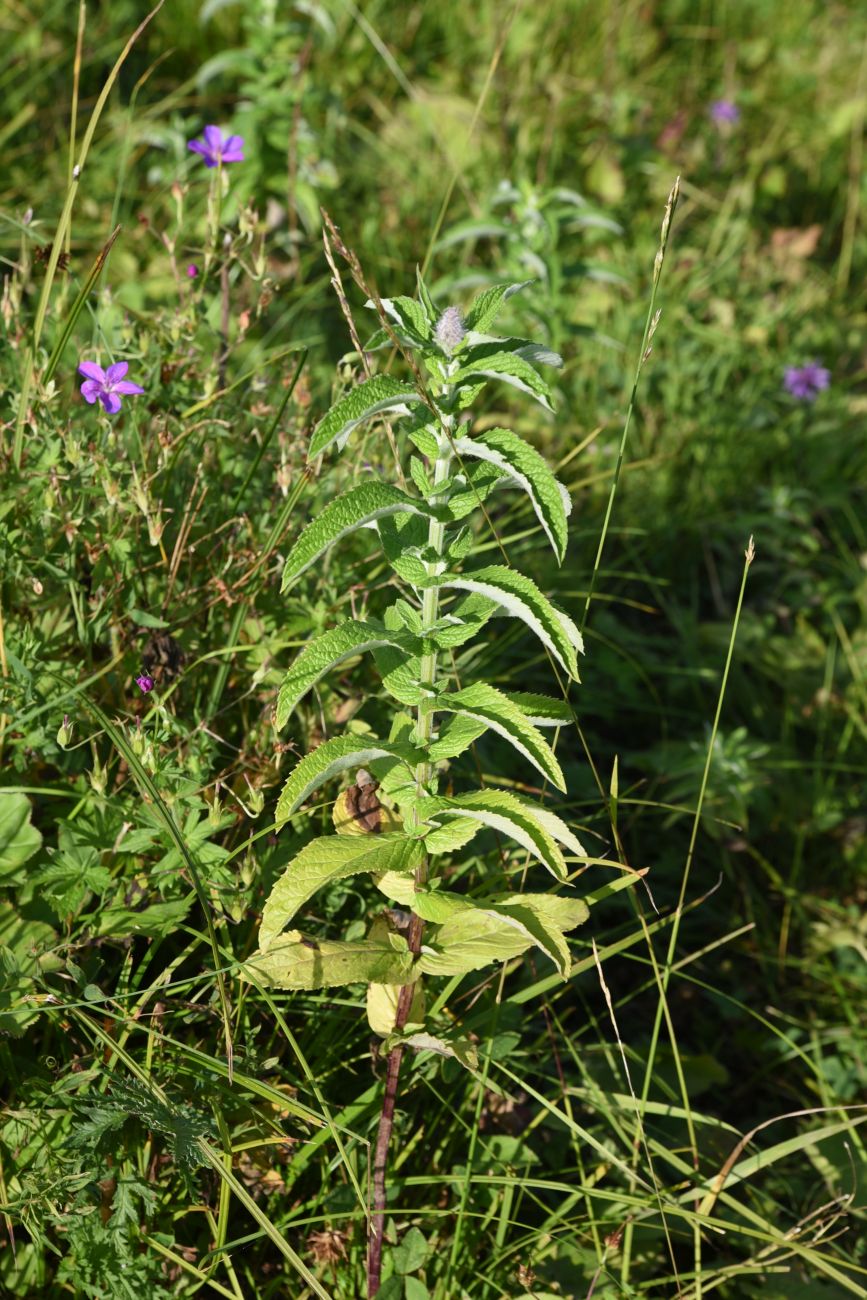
(375, 395)
(472, 486)
(360, 506)
(456, 736)
(330, 759)
(400, 673)
(523, 463)
(327, 651)
(519, 597)
(486, 704)
(332, 857)
(406, 312)
(451, 834)
(19, 840)
(293, 963)
(483, 363)
(543, 710)
(504, 812)
(485, 307)
(470, 940)
(540, 918)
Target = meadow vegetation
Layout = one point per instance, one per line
(677, 1114)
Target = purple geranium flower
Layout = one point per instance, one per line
(107, 385)
(217, 148)
(145, 683)
(725, 110)
(192, 270)
(806, 382)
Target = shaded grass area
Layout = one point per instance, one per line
(129, 1158)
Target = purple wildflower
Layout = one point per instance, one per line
(449, 329)
(806, 382)
(107, 385)
(192, 270)
(145, 683)
(217, 148)
(725, 110)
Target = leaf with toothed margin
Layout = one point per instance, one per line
(530, 471)
(332, 857)
(357, 508)
(485, 307)
(330, 759)
(407, 313)
(472, 933)
(485, 362)
(504, 812)
(486, 704)
(373, 397)
(543, 710)
(327, 651)
(518, 597)
(293, 962)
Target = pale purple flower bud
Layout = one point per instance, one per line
(145, 683)
(449, 329)
(192, 270)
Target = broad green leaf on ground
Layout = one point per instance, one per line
(360, 506)
(543, 710)
(327, 651)
(486, 704)
(373, 397)
(330, 759)
(485, 307)
(530, 471)
(332, 857)
(518, 597)
(293, 962)
(504, 812)
(19, 840)
(485, 361)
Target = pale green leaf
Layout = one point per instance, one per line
(531, 472)
(504, 812)
(294, 963)
(318, 657)
(517, 596)
(490, 706)
(357, 508)
(330, 759)
(381, 393)
(331, 858)
(470, 940)
(19, 840)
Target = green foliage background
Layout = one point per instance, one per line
(406, 121)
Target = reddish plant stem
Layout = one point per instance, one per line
(386, 1124)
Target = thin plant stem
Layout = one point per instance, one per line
(424, 728)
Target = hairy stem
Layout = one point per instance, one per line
(423, 773)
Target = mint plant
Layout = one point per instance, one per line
(395, 823)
